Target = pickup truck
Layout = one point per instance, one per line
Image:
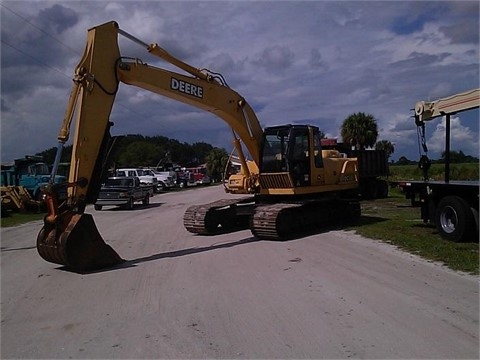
(124, 192)
(165, 179)
(146, 177)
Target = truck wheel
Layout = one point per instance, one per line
(368, 189)
(382, 189)
(97, 207)
(454, 219)
(475, 221)
(146, 201)
(39, 196)
(130, 204)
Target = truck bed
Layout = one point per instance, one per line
(417, 190)
(418, 184)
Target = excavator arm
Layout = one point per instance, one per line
(69, 237)
(209, 96)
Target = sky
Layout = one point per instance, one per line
(295, 62)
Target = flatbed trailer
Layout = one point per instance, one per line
(451, 206)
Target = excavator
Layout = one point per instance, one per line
(291, 184)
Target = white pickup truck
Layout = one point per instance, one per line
(166, 179)
(146, 177)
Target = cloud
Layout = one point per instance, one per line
(275, 59)
(294, 62)
(468, 32)
(462, 138)
(57, 18)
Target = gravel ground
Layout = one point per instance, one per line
(330, 295)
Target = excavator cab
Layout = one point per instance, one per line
(287, 150)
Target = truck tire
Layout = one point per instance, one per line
(382, 192)
(38, 195)
(369, 189)
(454, 219)
(146, 201)
(161, 186)
(130, 204)
(475, 222)
(97, 207)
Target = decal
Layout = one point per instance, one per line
(186, 88)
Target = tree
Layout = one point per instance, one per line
(360, 130)
(49, 154)
(404, 161)
(458, 157)
(216, 161)
(386, 146)
(201, 151)
(140, 154)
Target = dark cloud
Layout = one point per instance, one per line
(316, 60)
(309, 61)
(275, 59)
(4, 106)
(414, 17)
(466, 33)
(57, 19)
(419, 59)
(463, 27)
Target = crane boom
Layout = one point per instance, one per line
(426, 111)
(429, 110)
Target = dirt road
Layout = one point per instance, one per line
(331, 295)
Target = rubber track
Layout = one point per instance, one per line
(195, 217)
(265, 221)
(284, 221)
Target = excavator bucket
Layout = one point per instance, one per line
(74, 241)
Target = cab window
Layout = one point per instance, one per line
(317, 148)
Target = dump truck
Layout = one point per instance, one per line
(22, 183)
(373, 169)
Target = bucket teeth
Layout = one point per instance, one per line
(77, 244)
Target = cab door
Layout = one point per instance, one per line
(299, 156)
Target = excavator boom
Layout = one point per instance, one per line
(69, 237)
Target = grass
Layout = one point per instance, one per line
(394, 221)
(391, 220)
(467, 171)
(16, 218)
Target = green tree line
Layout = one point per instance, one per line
(359, 130)
(154, 151)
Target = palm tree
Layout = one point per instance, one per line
(386, 146)
(216, 161)
(360, 130)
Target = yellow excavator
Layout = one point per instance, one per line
(294, 185)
